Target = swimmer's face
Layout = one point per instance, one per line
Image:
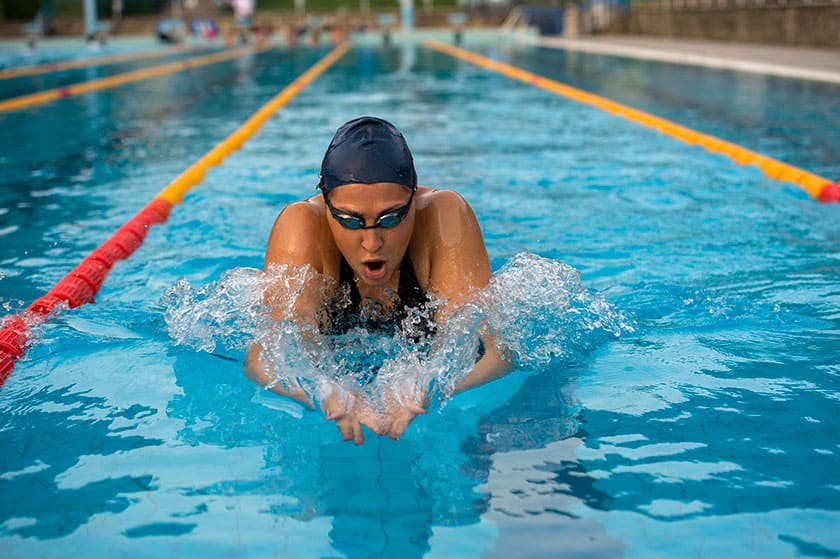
(374, 253)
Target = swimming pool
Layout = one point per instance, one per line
(711, 429)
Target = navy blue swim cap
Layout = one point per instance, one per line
(367, 150)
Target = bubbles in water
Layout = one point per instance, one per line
(536, 309)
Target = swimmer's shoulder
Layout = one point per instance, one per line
(436, 198)
(312, 207)
(300, 235)
(438, 208)
(445, 228)
(300, 219)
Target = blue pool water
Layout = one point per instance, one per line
(23, 85)
(709, 427)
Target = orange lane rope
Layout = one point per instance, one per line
(25, 101)
(818, 187)
(95, 61)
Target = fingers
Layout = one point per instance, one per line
(329, 412)
(345, 430)
(333, 415)
(400, 424)
(358, 437)
(351, 427)
(374, 421)
(339, 414)
(339, 409)
(337, 405)
(350, 430)
(416, 409)
(349, 421)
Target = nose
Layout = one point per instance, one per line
(372, 240)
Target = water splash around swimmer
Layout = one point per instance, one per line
(537, 309)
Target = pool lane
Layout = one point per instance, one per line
(816, 186)
(81, 285)
(95, 61)
(26, 101)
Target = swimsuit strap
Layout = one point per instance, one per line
(409, 291)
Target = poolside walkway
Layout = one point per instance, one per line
(792, 62)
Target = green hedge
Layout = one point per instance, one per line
(25, 10)
(19, 10)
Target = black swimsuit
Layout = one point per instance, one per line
(351, 314)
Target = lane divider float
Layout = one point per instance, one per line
(95, 61)
(82, 284)
(818, 187)
(25, 101)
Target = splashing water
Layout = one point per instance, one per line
(536, 308)
(540, 312)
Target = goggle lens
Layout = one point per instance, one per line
(387, 221)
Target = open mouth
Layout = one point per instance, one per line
(374, 269)
(375, 265)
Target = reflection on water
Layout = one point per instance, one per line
(72, 171)
(791, 120)
(728, 430)
(43, 440)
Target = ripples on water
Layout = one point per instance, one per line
(537, 309)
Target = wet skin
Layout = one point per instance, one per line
(446, 247)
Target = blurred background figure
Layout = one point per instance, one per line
(243, 19)
(170, 30)
(204, 27)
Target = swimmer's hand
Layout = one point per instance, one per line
(349, 412)
(395, 421)
(405, 401)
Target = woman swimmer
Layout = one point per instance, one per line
(393, 241)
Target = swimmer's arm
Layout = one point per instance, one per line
(295, 241)
(459, 269)
(490, 367)
(290, 244)
(255, 370)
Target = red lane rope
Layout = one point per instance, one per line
(81, 284)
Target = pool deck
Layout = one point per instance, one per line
(787, 61)
(791, 62)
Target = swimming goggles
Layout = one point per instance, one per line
(385, 221)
